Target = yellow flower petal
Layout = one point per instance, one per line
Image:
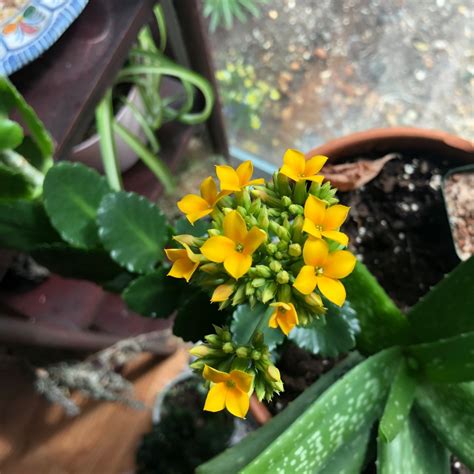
(335, 216)
(315, 210)
(272, 322)
(337, 236)
(218, 248)
(237, 264)
(315, 252)
(189, 253)
(284, 316)
(306, 280)
(314, 165)
(195, 216)
(295, 160)
(209, 190)
(244, 172)
(242, 379)
(191, 203)
(215, 400)
(290, 172)
(228, 178)
(237, 402)
(256, 181)
(175, 254)
(333, 290)
(235, 227)
(316, 178)
(214, 375)
(310, 228)
(183, 268)
(253, 240)
(339, 264)
(222, 293)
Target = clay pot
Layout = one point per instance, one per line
(88, 152)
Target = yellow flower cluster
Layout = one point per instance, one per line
(278, 243)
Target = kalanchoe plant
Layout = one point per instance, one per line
(273, 245)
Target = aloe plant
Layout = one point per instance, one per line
(416, 390)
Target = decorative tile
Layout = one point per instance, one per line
(30, 27)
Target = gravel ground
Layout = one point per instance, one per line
(349, 65)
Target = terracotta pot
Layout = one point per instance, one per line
(88, 152)
(396, 139)
(380, 141)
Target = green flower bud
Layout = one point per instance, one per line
(283, 277)
(300, 193)
(271, 248)
(258, 282)
(239, 295)
(297, 230)
(226, 335)
(200, 350)
(197, 365)
(284, 294)
(263, 221)
(213, 339)
(228, 348)
(275, 266)
(211, 268)
(255, 206)
(242, 352)
(283, 184)
(246, 201)
(296, 209)
(286, 201)
(252, 300)
(294, 250)
(273, 374)
(213, 232)
(259, 388)
(249, 289)
(269, 292)
(279, 255)
(263, 271)
(242, 211)
(255, 355)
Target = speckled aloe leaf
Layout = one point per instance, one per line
(381, 323)
(133, 230)
(344, 410)
(447, 310)
(415, 450)
(448, 360)
(72, 193)
(449, 412)
(246, 319)
(254, 443)
(399, 403)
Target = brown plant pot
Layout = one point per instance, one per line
(381, 141)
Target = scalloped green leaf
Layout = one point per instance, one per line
(11, 134)
(415, 450)
(183, 226)
(448, 309)
(330, 336)
(72, 193)
(155, 295)
(382, 324)
(341, 413)
(14, 184)
(133, 230)
(447, 360)
(24, 226)
(254, 443)
(449, 411)
(246, 319)
(399, 403)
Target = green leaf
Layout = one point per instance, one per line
(245, 321)
(133, 230)
(40, 135)
(350, 457)
(24, 226)
(70, 262)
(449, 411)
(447, 310)
(183, 226)
(341, 413)
(381, 322)
(415, 450)
(254, 443)
(11, 134)
(155, 295)
(330, 336)
(448, 360)
(196, 316)
(72, 193)
(14, 184)
(399, 403)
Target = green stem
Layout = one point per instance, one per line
(16, 161)
(105, 122)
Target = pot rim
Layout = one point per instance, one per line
(396, 139)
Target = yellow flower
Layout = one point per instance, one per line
(284, 316)
(184, 261)
(222, 293)
(235, 180)
(235, 247)
(324, 222)
(229, 391)
(195, 207)
(297, 168)
(323, 270)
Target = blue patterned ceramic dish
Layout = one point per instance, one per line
(30, 27)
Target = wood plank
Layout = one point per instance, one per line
(36, 437)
